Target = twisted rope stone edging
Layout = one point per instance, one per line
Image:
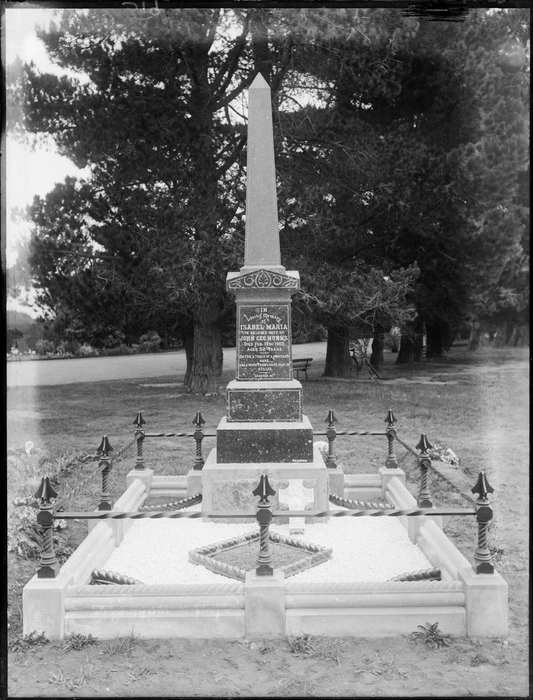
(432, 574)
(356, 505)
(179, 504)
(156, 589)
(333, 587)
(101, 578)
(313, 555)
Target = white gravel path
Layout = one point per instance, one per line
(364, 549)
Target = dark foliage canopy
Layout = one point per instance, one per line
(401, 149)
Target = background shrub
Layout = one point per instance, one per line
(114, 339)
(45, 347)
(150, 342)
(392, 339)
(118, 350)
(87, 350)
(68, 347)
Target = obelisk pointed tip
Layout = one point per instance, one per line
(259, 83)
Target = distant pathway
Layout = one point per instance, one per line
(172, 364)
(100, 369)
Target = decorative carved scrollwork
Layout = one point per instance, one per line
(263, 279)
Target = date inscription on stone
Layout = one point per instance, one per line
(264, 342)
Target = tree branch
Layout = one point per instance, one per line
(232, 158)
(95, 256)
(230, 64)
(284, 65)
(213, 28)
(234, 93)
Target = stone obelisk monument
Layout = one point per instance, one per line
(264, 430)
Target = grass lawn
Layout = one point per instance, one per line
(477, 404)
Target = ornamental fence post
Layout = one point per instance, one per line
(105, 463)
(48, 564)
(264, 518)
(424, 463)
(140, 464)
(391, 461)
(482, 555)
(198, 435)
(331, 434)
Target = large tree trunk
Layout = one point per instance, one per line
(509, 330)
(451, 339)
(410, 344)
(378, 345)
(438, 339)
(188, 345)
(518, 337)
(338, 360)
(207, 354)
(475, 336)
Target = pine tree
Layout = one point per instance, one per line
(404, 164)
(410, 158)
(158, 223)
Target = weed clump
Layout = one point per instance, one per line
(27, 641)
(430, 635)
(121, 645)
(479, 660)
(84, 673)
(75, 642)
(23, 536)
(309, 646)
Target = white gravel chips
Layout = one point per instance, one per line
(366, 549)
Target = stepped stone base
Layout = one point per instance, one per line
(264, 401)
(265, 442)
(227, 488)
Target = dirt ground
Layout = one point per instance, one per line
(332, 668)
(301, 667)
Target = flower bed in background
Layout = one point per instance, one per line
(47, 350)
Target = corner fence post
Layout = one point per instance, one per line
(48, 564)
(331, 434)
(105, 463)
(424, 463)
(139, 421)
(264, 518)
(482, 555)
(198, 435)
(391, 461)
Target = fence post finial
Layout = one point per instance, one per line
(482, 487)
(104, 448)
(424, 444)
(139, 420)
(45, 491)
(391, 418)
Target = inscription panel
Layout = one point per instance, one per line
(263, 342)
